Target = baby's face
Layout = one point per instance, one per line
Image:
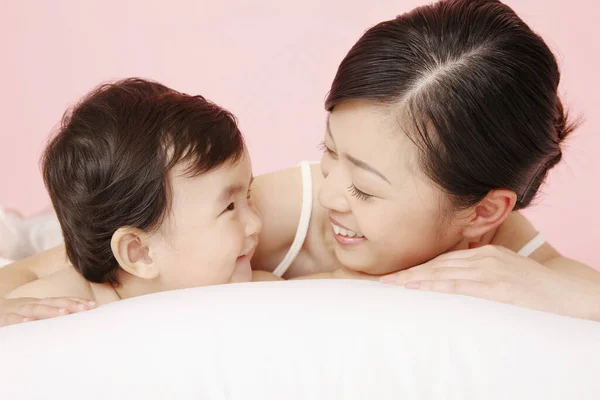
(211, 233)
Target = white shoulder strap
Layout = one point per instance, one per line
(532, 245)
(302, 224)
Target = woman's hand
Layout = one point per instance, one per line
(16, 311)
(501, 275)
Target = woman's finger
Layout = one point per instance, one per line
(475, 253)
(41, 311)
(464, 287)
(12, 319)
(487, 250)
(72, 304)
(434, 274)
(84, 301)
(429, 268)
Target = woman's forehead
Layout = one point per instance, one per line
(372, 120)
(371, 132)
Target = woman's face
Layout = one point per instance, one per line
(386, 215)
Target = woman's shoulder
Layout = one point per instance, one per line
(516, 232)
(277, 197)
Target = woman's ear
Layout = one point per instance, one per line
(490, 213)
(131, 248)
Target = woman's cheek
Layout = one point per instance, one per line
(325, 166)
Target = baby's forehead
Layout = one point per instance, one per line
(213, 185)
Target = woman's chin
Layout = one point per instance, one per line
(356, 264)
(368, 265)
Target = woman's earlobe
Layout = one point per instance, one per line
(131, 249)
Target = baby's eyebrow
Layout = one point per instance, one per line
(231, 190)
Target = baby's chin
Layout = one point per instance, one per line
(242, 271)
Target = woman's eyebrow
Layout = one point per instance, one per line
(363, 165)
(358, 163)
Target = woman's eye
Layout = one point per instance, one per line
(359, 194)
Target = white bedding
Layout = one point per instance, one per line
(21, 237)
(302, 340)
(5, 261)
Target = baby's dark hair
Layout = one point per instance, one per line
(476, 88)
(108, 165)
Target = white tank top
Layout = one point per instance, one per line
(307, 189)
(304, 222)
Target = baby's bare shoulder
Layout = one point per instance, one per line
(64, 283)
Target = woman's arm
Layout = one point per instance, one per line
(545, 281)
(518, 231)
(29, 269)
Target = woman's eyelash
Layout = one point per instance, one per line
(359, 194)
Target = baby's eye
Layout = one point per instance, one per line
(230, 207)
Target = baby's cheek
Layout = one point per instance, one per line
(238, 235)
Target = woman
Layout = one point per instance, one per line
(443, 123)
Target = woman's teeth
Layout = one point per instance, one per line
(345, 232)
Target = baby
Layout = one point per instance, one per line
(152, 191)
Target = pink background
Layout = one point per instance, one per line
(270, 63)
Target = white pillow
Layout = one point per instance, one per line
(302, 340)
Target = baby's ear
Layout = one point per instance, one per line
(130, 246)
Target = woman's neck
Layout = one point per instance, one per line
(483, 240)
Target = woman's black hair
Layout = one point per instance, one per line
(478, 89)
